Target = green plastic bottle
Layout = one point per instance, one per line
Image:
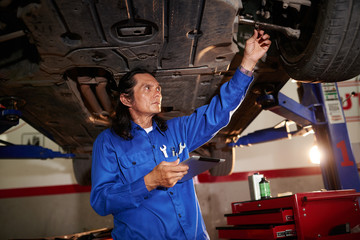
(265, 188)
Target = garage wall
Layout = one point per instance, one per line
(19, 173)
(49, 216)
(43, 214)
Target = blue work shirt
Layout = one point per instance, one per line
(119, 167)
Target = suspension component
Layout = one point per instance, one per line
(289, 32)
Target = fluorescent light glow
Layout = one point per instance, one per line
(315, 155)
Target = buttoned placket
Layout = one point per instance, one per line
(180, 213)
(154, 146)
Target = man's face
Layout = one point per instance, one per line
(147, 95)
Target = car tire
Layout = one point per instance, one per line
(82, 171)
(222, 151)
(225, 168)
(328, 48)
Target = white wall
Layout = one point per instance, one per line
(19, 173)
(36, 217)
(352, 112)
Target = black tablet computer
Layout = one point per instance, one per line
(198, 164)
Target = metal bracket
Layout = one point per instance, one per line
(294, 111)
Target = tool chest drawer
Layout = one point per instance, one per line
(257, 232)
(278, 216)
(313, 215)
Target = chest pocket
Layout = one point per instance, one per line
(136, 165)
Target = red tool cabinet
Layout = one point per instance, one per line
(314, 215)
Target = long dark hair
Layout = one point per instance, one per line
(121, 122)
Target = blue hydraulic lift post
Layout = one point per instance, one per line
(339, 166)
(321, 107)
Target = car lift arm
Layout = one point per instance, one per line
(9, 117)
(12, 151)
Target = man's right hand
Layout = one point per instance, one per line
(255, 48)
(166, 174)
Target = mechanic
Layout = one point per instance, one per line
(135, 163)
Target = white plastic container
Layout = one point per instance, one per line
(254, 187)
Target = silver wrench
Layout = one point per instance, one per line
(181, 147)
(163, 149)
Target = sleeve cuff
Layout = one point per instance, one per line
(246, 72)
(139, 191)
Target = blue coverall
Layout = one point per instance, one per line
(119, 167)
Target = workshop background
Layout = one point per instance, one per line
(40, 198)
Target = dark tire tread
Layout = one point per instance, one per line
(333, 52)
